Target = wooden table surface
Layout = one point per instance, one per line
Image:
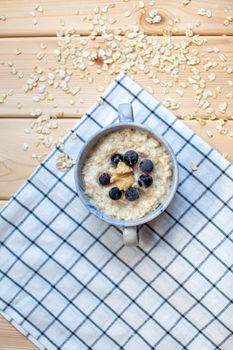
(20, 43)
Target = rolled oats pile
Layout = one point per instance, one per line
(107, 51)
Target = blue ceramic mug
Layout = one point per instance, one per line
(130, 228)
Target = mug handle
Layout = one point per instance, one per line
(131, 236)
(125, 113)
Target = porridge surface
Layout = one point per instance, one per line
(99, 162)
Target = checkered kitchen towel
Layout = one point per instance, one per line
(70, 284)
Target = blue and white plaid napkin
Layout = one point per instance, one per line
(69, 283)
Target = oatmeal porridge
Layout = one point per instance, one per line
(128, 174)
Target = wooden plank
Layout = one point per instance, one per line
(12, 339)
(57, 15)
(16, 165)
(89, 93)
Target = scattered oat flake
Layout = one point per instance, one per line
(225, 155)
(201, 12)
(180, 92)
(100, 101)
(204, 12)
(212, 76)
(100, 88)
(171, 103)
(209, 133)
(40, 55)
(223, 107)
(41, 88)
(194, 167)
(2, 98)
(201, 121)
(10, 92)
(189, 32)
(40, 9)
(18, 51)
(153, 17)
(43, 46)
(228, 20)
(25, 146)
(183, 85)
(36, 112)
(63, 161)
(35, 98)
(222, 57)
(74, 91)
(206, 104)
(105, 53)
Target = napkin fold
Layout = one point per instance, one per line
(67, 281)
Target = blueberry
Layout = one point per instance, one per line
(115, 193)
(116, 158)
(145, 181)
(146, 165)
(104, 179)
(132, 194)
(131, 158)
